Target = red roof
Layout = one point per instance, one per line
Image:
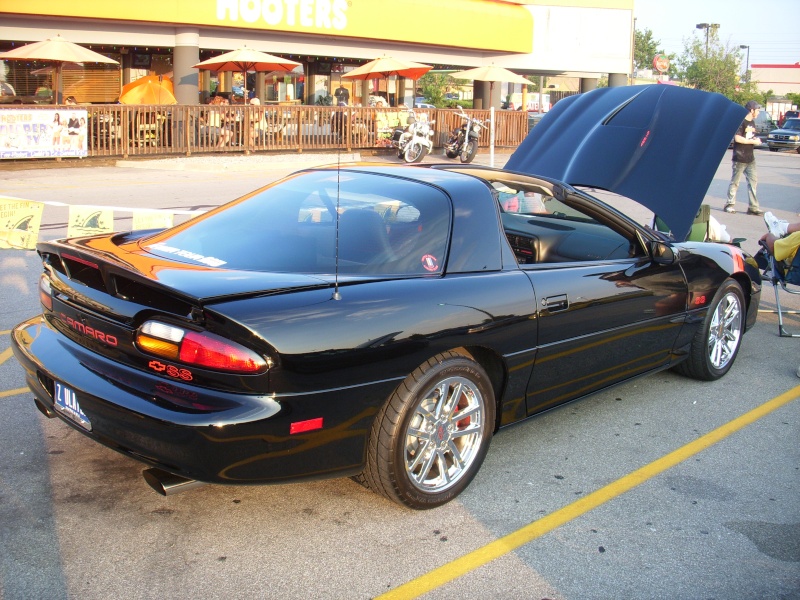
(794, 66)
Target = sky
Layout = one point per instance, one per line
(770, 27)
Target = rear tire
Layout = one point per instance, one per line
(430, 438)
(716, 343)
(469, 152)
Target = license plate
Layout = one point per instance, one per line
(67, 405)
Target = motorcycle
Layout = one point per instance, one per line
(415, 140)
(463, 140)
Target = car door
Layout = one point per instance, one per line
(605, 310)
(601, 322)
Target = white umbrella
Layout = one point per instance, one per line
(58, 51)
(491, 74)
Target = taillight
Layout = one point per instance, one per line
(201, 349)
(45, 293)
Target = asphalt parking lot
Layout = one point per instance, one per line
(663, 487)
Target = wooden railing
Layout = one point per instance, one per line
(116, 130)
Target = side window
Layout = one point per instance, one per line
(544, 230)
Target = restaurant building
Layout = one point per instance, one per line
(585, 39)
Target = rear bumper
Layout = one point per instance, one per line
(158, 422)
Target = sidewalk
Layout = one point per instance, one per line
(293, 161)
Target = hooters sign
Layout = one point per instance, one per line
(661, 63)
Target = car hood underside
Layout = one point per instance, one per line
(658, 145)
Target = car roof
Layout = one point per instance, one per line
(657, 144)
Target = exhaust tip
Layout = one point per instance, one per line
(47, 412)
(166, 483)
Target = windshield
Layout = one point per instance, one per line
(386, 226)
(793, 124)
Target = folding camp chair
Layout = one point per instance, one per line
(699, 230)
(775, 273)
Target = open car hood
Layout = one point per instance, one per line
(657, 144)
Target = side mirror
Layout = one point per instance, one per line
(662, 253)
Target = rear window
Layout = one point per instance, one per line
(386, 226)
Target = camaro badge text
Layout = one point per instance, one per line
(108, 339)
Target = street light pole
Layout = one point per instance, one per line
(747, 64)
(707, 26)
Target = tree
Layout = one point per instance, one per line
(644, 49)
(434, 87)
(793, 98)
(714, 67)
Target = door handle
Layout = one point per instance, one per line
(556, 303)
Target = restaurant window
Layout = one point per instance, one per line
(32, 81)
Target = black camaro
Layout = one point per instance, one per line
(384, 321)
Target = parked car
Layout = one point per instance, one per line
(785, 138)
(789, 114)
(385, 321)
(764, 124)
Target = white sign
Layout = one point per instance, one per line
(43, 133)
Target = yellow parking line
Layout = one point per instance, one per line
(509, 543)
(5, 355)
(5, 332)
(15, 392)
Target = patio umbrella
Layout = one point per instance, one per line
(152, 89)
(58, 51)
(244, 60)
(386, 66)
(491, 74)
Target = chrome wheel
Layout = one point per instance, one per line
(725, 331)
(431, 436)
(444, 434)
(715, 345)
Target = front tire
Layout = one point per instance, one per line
(469, 152)
(430, 438)
(414, 153)
(716, 344)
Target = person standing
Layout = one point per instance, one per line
(342, 94)
(744, 161)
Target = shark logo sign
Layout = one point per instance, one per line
(313, 14)
(19, 223)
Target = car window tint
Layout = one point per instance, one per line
(542, 229)
(386, 226)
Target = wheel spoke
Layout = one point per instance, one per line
(429, 459)
(457, 460)
(467, 413)
(419, 455)
(469, 430)
(441, 463)
(451, 403)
